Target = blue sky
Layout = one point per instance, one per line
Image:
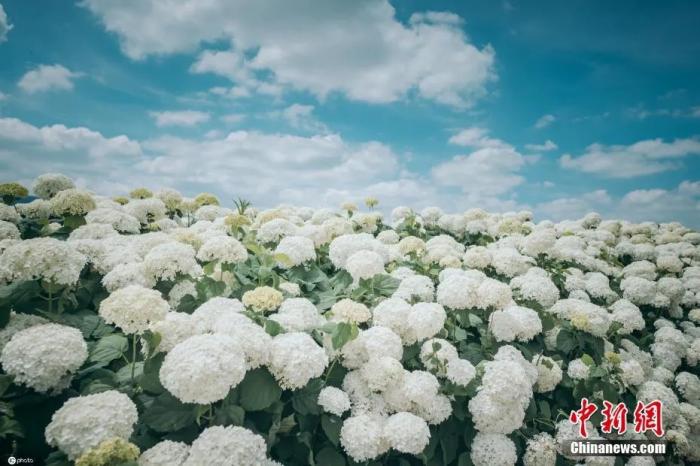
(556, 108)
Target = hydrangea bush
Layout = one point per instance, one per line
(158, 330)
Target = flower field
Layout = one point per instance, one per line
(156, 329)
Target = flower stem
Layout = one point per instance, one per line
(133, 359)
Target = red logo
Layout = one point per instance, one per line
(647, 417)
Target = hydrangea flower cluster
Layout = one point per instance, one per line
(183, 332)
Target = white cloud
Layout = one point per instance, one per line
(277, 44)
(46, 78)
(56, 139)
(547, 146)
(3, 96)
(233, 118)
(573, 207)
(660, 205)
(544, 121)
(300, 117)
(5, 25)
(475, 137)
(491, 170)
(180, 118)
(641, 158)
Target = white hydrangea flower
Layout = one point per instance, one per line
(344, 246)
(515, 323)
(228, 446)
(262, 299)
(493, 450)
(175, 328)
(549, 374)
(44, 357)
(333, 400)
(42, 258)
(628, 315)
(167, 260)
(203, 368)
(208, 313)
(298, 249)
(298, 315)
(347, 310)
(432, 359)
(224, 249)
(48, 185)
(541, 450)
(295, 358)
(133, 308)
(364, 264)
(146, 210)
(460, 372)
(17, 323)
(381, 372)
(83, 422)
(362, 437)
(120, 221)
(165, 453)
(417, 287)
(252, 339)
(477, 257)
(8, 230)
(424, 321)
(535, 285)
(406, 433)
(130, 273)
(578, 370)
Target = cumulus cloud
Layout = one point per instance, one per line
(278, 45)
(300, 117)
(179, 118)
(544, 121)
(5, 25)
(59, 138)
(548, 145)
(47, 77)
(491, 169)
(641, 158)
(681, 203)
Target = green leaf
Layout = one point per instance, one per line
(331, 427)
(587, 360)
(329, 457)
(273, 328)
(343, 333)
(73, 221)
(566, 341)
(5, 382)
(108, 348)
(152, 340)
(545, 410)
(167, 414)
(258, 390)
(227, 415)
(305, 400)
(18, 296)
(384, 285)
(150, 378)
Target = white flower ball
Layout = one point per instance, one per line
(515, 323)
(295, 358)
(541, 451)
(362, 437)
(224, 249)
(44, 357)
(83, 422)
(347, 310)
(174, 329)
(549, 374)
(578, 370)
(333, 400)
(298, 315)
(425, 320)
(252, 339)
(298, 250)
(406, 433)
(166, 261)
(493, 450)
(227, 446)
(364, 264)
(460, 372)
(203, 368)
(133, 308)
(165, 453)
(381, 372)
